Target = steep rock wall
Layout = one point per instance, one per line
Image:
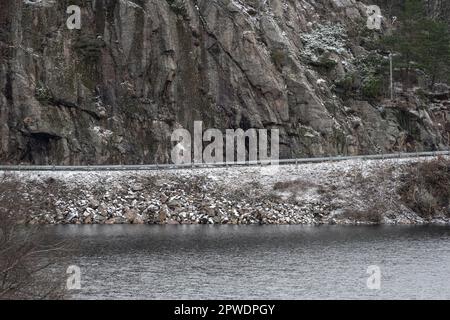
(114, 91)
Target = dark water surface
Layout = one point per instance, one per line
(257, 262)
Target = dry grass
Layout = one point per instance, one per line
(373, 214)
(294, 185)
(376, 200)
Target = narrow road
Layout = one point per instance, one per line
(218, 165)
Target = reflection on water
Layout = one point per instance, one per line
(257, 262)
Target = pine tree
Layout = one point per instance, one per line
(422, 42)
(434, 50)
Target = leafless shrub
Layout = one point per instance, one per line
(426, 188)
(25, 259)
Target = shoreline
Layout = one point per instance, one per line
(351, 192)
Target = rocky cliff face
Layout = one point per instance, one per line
(114, 91)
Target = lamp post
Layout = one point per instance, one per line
(391, 76)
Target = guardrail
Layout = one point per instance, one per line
(218, 165)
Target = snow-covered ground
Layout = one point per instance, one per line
(345, 192)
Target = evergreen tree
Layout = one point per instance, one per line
(404, 40)
(433, 50)
(422, 42)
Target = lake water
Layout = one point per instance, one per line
(258, 262)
